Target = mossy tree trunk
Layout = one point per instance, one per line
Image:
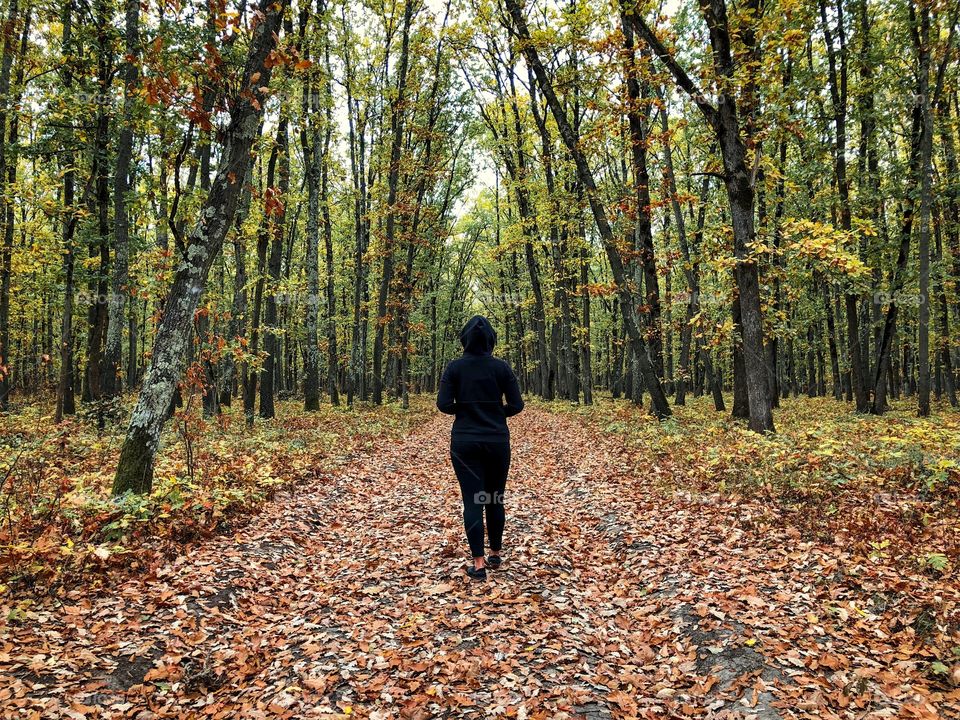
(135, 468)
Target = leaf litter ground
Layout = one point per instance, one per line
(347, 599)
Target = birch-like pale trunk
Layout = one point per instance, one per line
(135, 468)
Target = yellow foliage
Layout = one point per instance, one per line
(824, 247)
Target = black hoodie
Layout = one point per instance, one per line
(473, 387)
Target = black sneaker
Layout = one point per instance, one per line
(494, 562)
(477, 573)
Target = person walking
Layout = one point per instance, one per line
(481, 392)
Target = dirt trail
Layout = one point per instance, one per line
(348, 599)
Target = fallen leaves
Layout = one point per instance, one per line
(345, 598)
(885, 486)
(62, 527)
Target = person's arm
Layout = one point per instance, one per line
(511, 393)
(446, 397)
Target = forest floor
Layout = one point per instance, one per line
(626, 592)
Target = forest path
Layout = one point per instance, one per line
(348, 599)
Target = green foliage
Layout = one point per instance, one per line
(936, 561)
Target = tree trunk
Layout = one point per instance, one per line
(659, 404)
(837, 76)
(741, 400)
(638, 110)
(356, 134)
(111, 384)
(97, 313)
(238, 318)
(922, 38)
(691, 262)
(263, 246)
(312, 159)
(740, 194)
(879, 404)
(331, 306)
(277, 224)
(951, 190)
(8, 169)
(832, 341)
(65, 386)
(135, 468)
(773, 342)
(586, 365)
(943, 318)
(393, 179)
(516, 167)
(725, 121)
(6, 255)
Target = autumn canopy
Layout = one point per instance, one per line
(719, 243)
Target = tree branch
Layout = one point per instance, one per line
(680, 76)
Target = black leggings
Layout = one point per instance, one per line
(481, 468)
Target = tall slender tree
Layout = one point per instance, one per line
(733, 123)
(116, 317)
(646, 367)
(135, 467)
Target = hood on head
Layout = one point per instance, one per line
(478, 336)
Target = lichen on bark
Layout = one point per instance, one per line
(135, 468)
